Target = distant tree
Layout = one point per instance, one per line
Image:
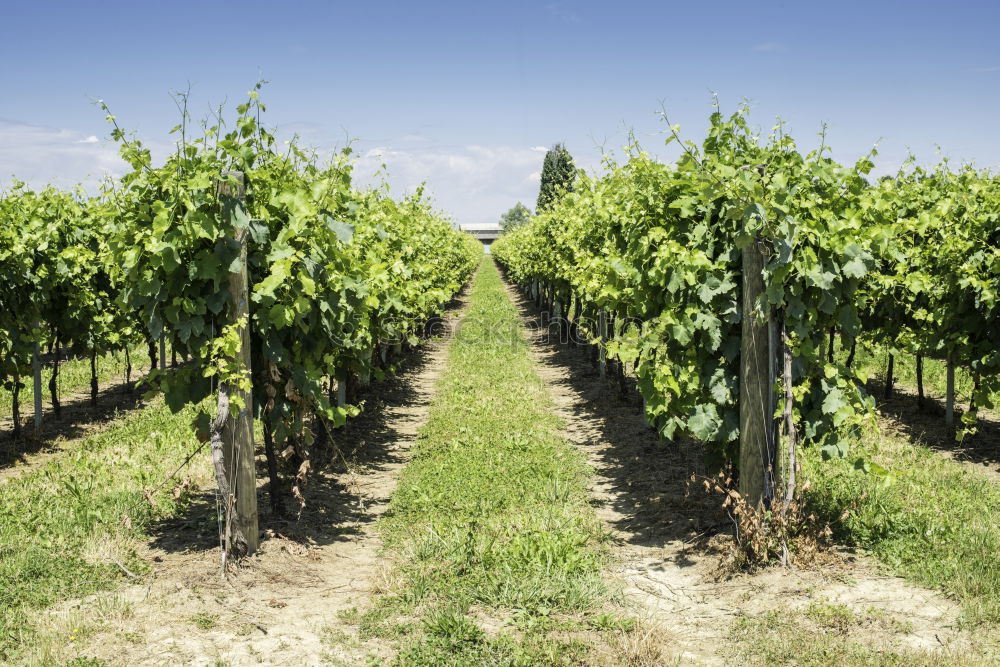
(558, 174)
(516, 216)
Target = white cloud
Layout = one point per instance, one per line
(560, 11)
(992, 68)
(769, 47)
(42, 155)
(473, 183)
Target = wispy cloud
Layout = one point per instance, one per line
(303, 128)
(991, 68)
(560, 11)
(40, 155)
(43, 155)
(769, 47)
(473, 183)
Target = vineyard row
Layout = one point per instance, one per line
(726, 278)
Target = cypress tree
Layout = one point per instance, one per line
(558, 174)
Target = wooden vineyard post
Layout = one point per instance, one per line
(342, 390)
(54, 380)
(240, 498)
(36, 367)
(920, 381)
(949, 406)
(791, 437)
(94, 387)
(163, 350)
(889, 373)
(365, 377)
(602, 333)
(758, 451)
(575, 325)
(556, 317)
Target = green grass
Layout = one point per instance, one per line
(63, 524)
(74, 375)
(497, 553)
(929, 519)
(204, 620)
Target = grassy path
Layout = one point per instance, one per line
(497, 554)
(71, 526)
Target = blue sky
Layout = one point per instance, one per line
(466, 95)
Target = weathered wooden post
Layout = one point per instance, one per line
(791, 436)
(889, 376)
(237, 430)
(949, 406)
(758, 450)
(365, 376)
(342, 390)
(574, 327)
(36, 367)
(54, 380)
(543, 305)
(94, 387)
(920, 381)
(602, 334)
(557, 318)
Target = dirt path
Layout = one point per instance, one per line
(671, 536)
(287, 604)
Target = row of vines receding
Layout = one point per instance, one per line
(341, 279)
(649, 259)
